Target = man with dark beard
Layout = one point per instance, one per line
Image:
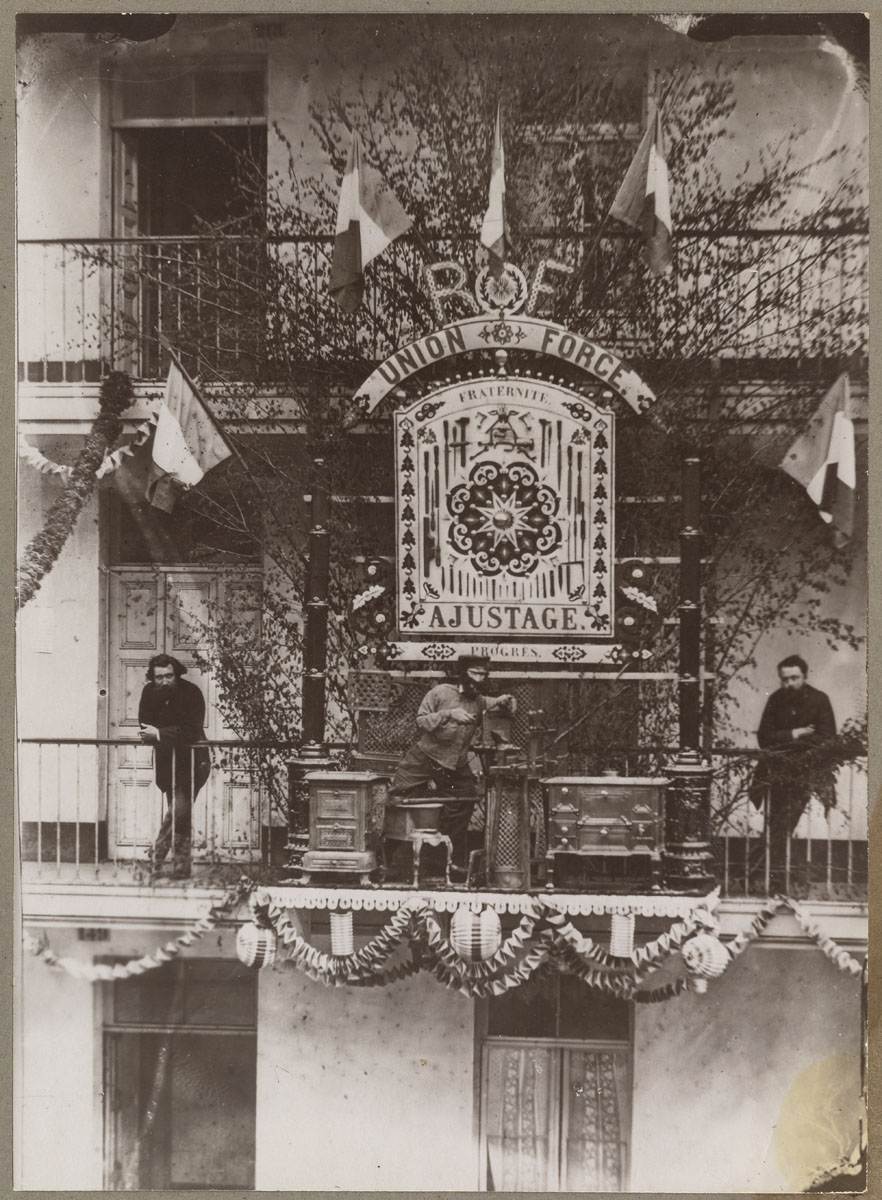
(797, 724)
(171, 715)
(438, 762)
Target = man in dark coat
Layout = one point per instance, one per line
(797, 723)
(438, 763)
(172, 716)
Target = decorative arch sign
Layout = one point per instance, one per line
(508, 332)
(505, 521)
(505, 505)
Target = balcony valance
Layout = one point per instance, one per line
(389, 900)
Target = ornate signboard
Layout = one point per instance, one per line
(511, 332)
(505, 522)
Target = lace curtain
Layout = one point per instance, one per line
(555, 1118)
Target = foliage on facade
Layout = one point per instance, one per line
(769, 272)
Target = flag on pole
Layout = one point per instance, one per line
(823, 460)
(644, 199)
(369, 218)
(187, 442)
(494, 230)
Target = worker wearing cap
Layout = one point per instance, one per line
(438, 762)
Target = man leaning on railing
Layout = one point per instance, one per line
(799, 726)
(172, 715)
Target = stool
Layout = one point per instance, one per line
(415, 821)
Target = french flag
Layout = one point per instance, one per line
(369, 218)
(187, 442)
(494, 230)
(823, 460)
(644, 199)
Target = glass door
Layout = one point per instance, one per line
(555, 1089)
(555, 1117)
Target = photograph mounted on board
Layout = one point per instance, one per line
(442, 526)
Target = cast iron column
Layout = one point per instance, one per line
(313, 754)
(689, 863)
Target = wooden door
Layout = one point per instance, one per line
(168, 610)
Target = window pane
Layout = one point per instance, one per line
(597, 1098)
(590, 1014)
(520, 1118)
(154, 998)
(220, 992)
(157, 98)
(229, 94)
(193, 991)
(180, 1110)
(561, 1006)
(187, 93)
(212, 1100)
(527, 1011)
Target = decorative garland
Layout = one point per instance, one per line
(488, 978)
(526, 951)
(832, 950)
(653, 954)
(105, 973)
(337, 970)
(44, 548)
(110, 462)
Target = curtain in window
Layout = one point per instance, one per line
(596, 1089)
(520, 1113)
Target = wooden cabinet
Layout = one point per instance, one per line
(345, 822)
(606, 817)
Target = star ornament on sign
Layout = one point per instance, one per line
(504, 518)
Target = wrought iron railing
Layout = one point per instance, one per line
(233, 304)
(826, 856)
(90, 810)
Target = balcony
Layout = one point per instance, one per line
(89, 305)
(90, 812)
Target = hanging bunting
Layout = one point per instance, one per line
(543, 939)
(105, 973)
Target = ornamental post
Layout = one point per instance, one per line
(313, 755)
(688, 859)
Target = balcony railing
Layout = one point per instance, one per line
(234, 305)
(90, 811)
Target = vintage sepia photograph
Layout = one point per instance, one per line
(442, 521)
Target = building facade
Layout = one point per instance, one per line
(177, 194)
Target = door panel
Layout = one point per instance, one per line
(188, 612)
(167, 610)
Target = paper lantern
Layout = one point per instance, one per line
(341, 933)
(256, 947)
(621, 935)
(475, 936)
(706, 958)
